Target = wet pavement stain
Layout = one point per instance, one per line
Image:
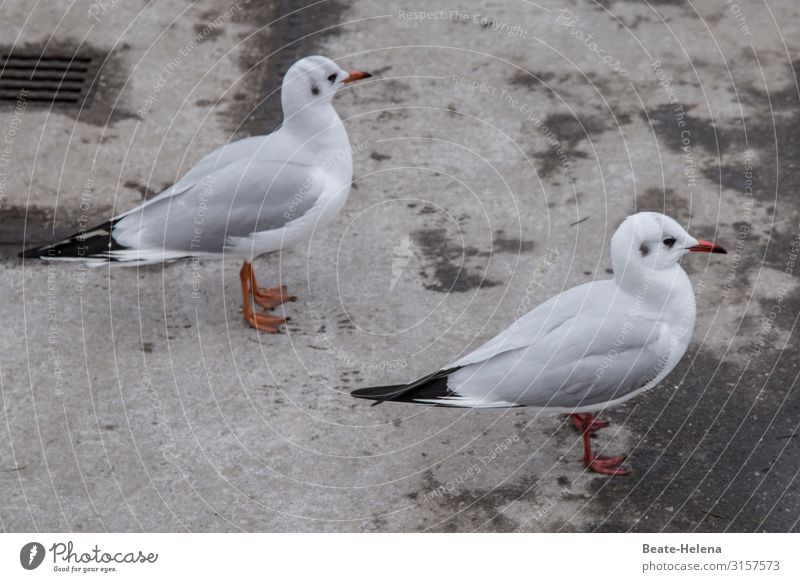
(207, 32)
(697, 132)
(145, 192)
(572, 130)
(473, 509)
(772, 125)
(446, 265)
(504, 244)
(771, 129)
(533, 79)
(565, 134)
(666, 201)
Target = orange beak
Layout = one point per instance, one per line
(356, 76)
(707, 247)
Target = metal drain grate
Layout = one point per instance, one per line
(45, 78)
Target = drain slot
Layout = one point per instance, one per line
(45, 78)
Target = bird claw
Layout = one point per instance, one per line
(265, 323)
(271, 297)
(607, 465)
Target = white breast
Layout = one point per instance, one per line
(333, 157)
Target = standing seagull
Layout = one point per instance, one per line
(586, 349)
(247, 198)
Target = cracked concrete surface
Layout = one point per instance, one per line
(495, 151)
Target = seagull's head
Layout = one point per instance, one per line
(654, 241)
(313, 81)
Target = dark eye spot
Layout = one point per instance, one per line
(314, 90)
(332, 78)
(644, 249)
(669, 241)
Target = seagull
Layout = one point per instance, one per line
(586, 349)
(249, 197)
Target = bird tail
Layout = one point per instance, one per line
(94, 244)
(430, 388)
(381, 393)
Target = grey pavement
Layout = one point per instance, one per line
(495, 151)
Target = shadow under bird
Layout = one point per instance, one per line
(586, 349)
(249, 197)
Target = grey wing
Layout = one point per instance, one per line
(240, 150)
(584, 362)
(540, 321)
(238, 200)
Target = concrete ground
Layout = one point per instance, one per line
(495, 151)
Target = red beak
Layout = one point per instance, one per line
(356, 76)
(707, 247)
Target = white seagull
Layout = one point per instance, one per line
(249, 197)
(589, 348)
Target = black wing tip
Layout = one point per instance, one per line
(379, 393)
(43, 252)
(92, 243)
(32, 253)
(431, 387)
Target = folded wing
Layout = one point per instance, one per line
(236, 201)
(585, 361)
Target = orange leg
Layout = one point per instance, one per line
(271, 297)
(260, 321)
(586, 424)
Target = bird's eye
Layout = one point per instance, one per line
(332, 77)
(669, 241)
